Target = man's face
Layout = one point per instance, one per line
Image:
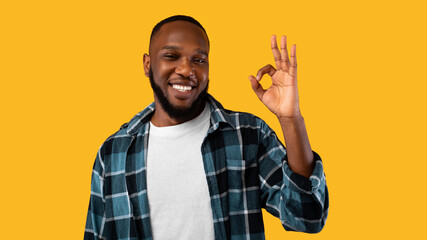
(178, 68)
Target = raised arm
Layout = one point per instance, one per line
(282, 99)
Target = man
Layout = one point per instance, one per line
(186, 168)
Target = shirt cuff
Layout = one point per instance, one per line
(300, 183)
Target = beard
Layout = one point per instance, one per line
(177, 113)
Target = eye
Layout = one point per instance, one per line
(199, 60)
(170, 57)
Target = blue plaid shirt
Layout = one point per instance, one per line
(246, 170)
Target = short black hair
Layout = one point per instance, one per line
(176, 18)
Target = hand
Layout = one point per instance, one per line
(281, 97)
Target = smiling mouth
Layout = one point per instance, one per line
(181, 88)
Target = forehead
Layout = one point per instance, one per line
(180, 33)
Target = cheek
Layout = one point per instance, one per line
(204, 74)
(164, 70)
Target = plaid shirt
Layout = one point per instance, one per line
(246, 170)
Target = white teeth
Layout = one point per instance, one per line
(181, 88)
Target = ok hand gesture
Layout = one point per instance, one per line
(281, 97)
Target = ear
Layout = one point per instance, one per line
(146, 60)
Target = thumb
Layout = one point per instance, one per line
(256, 86)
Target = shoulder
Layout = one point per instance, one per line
(242, 119)
(120, 141)
(245, 120)
(249, 128)
(235, 119)
(115, 143)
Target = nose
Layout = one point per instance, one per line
(184, 68)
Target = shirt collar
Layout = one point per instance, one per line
(218, 115)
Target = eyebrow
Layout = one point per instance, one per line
(171, 47)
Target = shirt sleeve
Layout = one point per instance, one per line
(96, 214)
(300, 203)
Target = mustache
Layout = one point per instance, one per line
(191, 78)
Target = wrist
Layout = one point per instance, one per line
(291, 119)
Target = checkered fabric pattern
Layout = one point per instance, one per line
(246, 170)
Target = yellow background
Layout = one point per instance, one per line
(71, 74)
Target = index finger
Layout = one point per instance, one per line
(276, 52)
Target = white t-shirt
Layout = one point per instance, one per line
(177, 189)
